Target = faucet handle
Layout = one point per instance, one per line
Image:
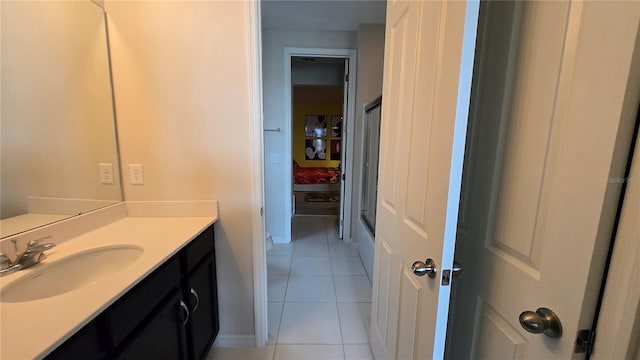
(5, 262)
(34, 242)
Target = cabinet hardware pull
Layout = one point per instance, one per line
(186, 311)
(195, 294)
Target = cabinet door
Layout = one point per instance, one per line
(200, 289)
(162, 337)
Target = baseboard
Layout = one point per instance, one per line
(366, 249)
(234, 341)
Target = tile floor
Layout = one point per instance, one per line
(319, 298)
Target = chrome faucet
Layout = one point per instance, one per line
(32, 255)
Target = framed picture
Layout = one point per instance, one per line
(336, 150)
(315, 149)
(315, 125)
(336, 126)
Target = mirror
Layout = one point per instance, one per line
(370, 158)
(58, 148)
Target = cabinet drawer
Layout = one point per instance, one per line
(134, 306)
(200, 247)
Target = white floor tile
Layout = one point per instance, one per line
(311, 247)
(326, 298)
(311, 265)
(352, 288)
(276, 287)
(274, 313)
(354, 330)
(242, 353)
(365, 312)
(309, 323)
(310, 230)
(357, 352)
(309, 352)
(278, 264)
(309, 225)
(332, 226)
(337, 247)
(310, 288)
(347, 266)
(281, 249)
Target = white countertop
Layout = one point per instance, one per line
(32, 329)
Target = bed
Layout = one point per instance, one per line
(315, 179)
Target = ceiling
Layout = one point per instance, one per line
(322, 14)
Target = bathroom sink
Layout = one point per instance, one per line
(70, 273)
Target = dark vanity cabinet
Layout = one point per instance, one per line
(171, 314)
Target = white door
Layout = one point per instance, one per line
(343, 152)
(547, 132)
(428, 63)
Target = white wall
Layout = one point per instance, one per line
(273, 44)
(369, 87)
(182, 97)
(317, 73)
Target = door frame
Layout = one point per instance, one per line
(351, 55)
(622, 312)
(258, 226)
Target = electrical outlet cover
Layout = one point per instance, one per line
(136, 174)
(106, 173)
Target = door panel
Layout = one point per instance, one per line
(533, 90)
(497, 338)
(536, 204)
(203, 322)
(422, 86)
(381, 295)
(411, 292)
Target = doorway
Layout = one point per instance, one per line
(318, 103)
(311, 137)
(284, 48)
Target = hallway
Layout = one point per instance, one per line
(319, 298)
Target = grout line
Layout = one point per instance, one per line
(335, 293)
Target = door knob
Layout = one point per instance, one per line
(425, 268)
(542, 321)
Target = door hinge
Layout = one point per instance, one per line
(584, 341)
(344, 176)
(346, 77)
(261, 211)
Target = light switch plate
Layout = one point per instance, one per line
(106, 173)
(135, 174)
